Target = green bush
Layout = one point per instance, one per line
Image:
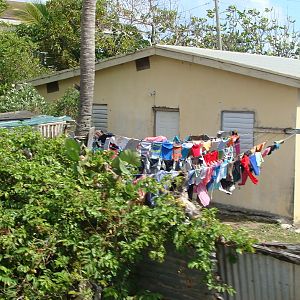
(70, 226)
(23, 97)
(67, 105)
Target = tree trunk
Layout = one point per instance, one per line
(87, 67)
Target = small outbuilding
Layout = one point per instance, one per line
(174, 90)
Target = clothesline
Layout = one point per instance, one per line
(216, 164)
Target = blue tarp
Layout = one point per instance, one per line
(39, 120)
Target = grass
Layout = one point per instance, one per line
(266, 232)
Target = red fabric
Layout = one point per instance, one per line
(245, 162)
(211, 157)
(196, 150)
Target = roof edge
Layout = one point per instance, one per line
(103, 64)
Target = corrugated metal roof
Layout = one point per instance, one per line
(39, 120)
(280, 65)
(16, 115)
(275, 69)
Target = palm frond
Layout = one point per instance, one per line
(33, 13)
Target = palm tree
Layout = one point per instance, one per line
(33, 13)
(87, 67)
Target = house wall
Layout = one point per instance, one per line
(63, 86)
(201, 94)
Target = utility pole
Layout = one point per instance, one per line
(218, 25)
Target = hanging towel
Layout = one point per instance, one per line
(211, 157)
(167, 150)
(237, 147)
(177, 152)
(196, 150)
(245, 162)
(156, 150)
(203, 194)
(207, 145)
(254, 165)
(259, 158)
(145, 148)
(186, 147)
(155, 139)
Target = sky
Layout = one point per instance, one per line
(282, 8)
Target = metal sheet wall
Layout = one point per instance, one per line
(259, 276)
(172, 279)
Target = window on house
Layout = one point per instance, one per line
(243, 122)
(99, 116)
(142, 64)
(52, 87)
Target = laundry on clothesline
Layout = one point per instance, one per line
(207, 163)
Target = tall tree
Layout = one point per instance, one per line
(18, 61)
(87, 67)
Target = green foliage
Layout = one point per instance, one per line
(66, 105)
(23, 97)
(69, 231)
(249, 30)
(33, 13)
(57, 31)
(3, 6)
(17, 60)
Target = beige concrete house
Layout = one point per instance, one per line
(170, 90)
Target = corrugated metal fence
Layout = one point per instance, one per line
(259, 276)
(254, 276)
(172, 279)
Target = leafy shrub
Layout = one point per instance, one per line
(17, 59)
(70, 226)
(66, 105)
(23, 97)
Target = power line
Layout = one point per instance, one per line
(198, 6)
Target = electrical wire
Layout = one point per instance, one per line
(198, 6)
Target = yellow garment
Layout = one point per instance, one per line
(207, 145)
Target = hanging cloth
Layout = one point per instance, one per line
(156, 150)
(177, 152)
(167, 150)
(196, 150)
(186, 147)
(245, 162)
(145, 148)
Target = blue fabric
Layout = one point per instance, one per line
(255, 167)
(185, 150)
(167, 150)
(176, 140)
(211, 184)
(191, 177)
(156, 150)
